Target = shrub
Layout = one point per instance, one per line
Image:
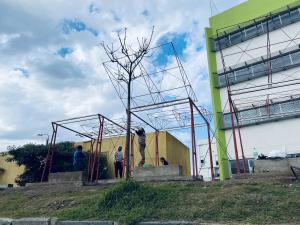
(130, 202)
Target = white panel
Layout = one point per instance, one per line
(281, 136)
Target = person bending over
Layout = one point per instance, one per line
(164, 161)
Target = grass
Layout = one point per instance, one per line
(129, 202)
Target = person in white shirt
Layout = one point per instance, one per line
(118, 161)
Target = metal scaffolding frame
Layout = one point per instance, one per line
(163, 99)
(162, 95)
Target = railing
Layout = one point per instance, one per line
(257, 28)
(257, 115)
(259, 67)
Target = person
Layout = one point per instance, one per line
(118, 162)
(78, 159)
(142, 144)
(164, 161)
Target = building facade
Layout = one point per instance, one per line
(254, 69)
(174, 151)
(169, 147)
(9, 171)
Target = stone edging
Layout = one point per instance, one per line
(54, 221)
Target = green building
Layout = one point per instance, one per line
(237, 40)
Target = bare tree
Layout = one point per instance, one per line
(127, 60)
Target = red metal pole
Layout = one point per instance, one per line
(194, 157)
(234, 136)
(90, 157)
(156, 148)
(210, 153)
(53, 146)
(48, 154)
(241, 143)
(100, 148)
(97, 145)
(240, 138)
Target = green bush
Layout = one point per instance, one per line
(32, 156)
(130, 202)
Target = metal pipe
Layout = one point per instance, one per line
(234, 137)
(90, 157)
(144, 121)
(156, 148)
(96, 150)
(194, 158)
(48, 155)
(160, 105)
(210, 153)
(100, 147)
(52, 149)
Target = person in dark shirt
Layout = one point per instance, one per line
(164, 161)
(78, 159)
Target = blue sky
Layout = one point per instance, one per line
(50, 59)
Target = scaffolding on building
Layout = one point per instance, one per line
(276, 97)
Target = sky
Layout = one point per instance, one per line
(51, 60)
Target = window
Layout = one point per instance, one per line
(285, 19)
(222, 81)
(262, 114)
(251, 32)
(296, 57)
(275, 22)
(242, 74)
(259, 69)
(236, 38)
(295, 16)
(278, 64)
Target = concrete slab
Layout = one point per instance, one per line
(77, 177)
(280, 166)
(167, 178)
(160, 171)
(31, 221)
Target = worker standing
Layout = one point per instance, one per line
(118, 161)
(78, 159)
(142, 144)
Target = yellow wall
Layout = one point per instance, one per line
(11, 171)
(178, 156)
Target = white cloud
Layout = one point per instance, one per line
(55, 87)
